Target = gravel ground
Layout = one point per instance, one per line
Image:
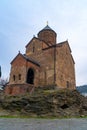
(43, 124)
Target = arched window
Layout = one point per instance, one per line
(19, 76)
(30, 76)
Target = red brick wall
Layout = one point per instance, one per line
(17, 89)
(21, 66)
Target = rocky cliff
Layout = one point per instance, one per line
(46, 103)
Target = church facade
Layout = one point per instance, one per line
(44, 63)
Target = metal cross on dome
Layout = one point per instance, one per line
(47, 22)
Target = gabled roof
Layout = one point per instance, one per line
(26, 58)
(64, 42)
(36, 39)
(31, 60)
(59, 45)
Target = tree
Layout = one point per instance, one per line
(3, 82)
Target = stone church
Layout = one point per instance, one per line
(44, 63)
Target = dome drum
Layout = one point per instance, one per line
(47, 35)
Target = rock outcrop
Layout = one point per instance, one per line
(46, 103)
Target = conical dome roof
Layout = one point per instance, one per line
(47, 28)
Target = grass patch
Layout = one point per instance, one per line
(41, 117)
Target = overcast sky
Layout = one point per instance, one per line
(21, 19)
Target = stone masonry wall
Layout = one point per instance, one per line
(20, 67)
(65, 71)
(48, 36)
(46, 59)
(16, 89)
(35, 46)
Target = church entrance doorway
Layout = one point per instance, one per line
(30, 76)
